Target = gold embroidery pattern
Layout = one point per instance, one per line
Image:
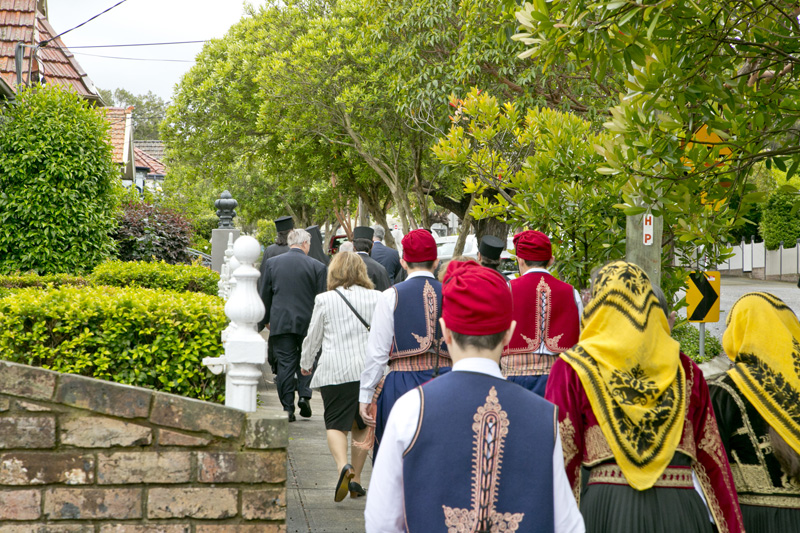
(527, 364)
(711, 443)
(597, 448)
(431, 309)
(711, 498)
(570, 448)
(673, 477)
(491, 428)
(785, 502)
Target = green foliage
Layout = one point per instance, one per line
(142, 337)
(265, 232)
(148, 111)
(24, 281)
(523, 165)
(689, 337)
(57, 183)
(706, 92)
(780, 222)
(156, 275)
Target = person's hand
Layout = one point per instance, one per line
(364, 409)
(305, 372)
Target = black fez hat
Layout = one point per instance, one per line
(363, 232)
(284, 223)
(491, 247)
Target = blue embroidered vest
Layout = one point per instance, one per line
(481, 460)
(416, 318)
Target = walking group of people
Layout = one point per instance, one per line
(492, 406)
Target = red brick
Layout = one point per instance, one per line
(265, 527)
(27, 432)
(43, 468)
(27, 381)
(265, 504)
(149, 528)
(82, 504)
(194, 415)
(102, 432)
(173, 438)
(211, 503)
(143, 467)
(242, 467)
(20, 505)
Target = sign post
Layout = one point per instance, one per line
(702, 299)
(642, 232)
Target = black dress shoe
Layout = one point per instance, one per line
(356, 490)
(292, 418)
(305, 407)
(343, 485)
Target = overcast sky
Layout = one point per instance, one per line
(142, 21)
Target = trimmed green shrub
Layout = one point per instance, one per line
(193, 278)
(24, 281)
(689, 337)
(58, 183)
(142, 337)
(148, 232)
(777, 222)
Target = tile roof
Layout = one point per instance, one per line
(143, 159)
(120, 120)
(21, 21)
(152, 148)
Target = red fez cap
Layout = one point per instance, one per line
(533, 246)
(419, 246)
(475, 300)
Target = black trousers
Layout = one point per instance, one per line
(286, 348)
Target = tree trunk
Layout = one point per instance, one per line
(491, 226)
(465, 227)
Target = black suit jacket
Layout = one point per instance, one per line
(376, 272)
(390, 259)
(274, 250)
(288, 285)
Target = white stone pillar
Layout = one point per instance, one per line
(245, 349)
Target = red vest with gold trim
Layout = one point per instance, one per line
(545, 310)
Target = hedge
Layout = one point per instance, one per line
(689, 337)
(778, 223)
(159, 275)
(24, 281)
(142, 337)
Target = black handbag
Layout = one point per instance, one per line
(353, 309)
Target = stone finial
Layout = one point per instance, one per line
(224, 283)
(225, 210)
(245, 349)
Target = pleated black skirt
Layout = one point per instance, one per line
(758, 519)
(341, 406)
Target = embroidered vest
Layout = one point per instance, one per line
(545, 310)
(481, 460)
(416, 318)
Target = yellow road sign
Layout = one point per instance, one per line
(702, 296)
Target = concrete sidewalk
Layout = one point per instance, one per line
(312, 475)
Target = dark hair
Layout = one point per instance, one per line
(536, 264)
(427, 265)
(362, 245)
(282, 238)
(662, 300)
(786, 456)
(494, 264)
(481, 342)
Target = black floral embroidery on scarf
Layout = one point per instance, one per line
(634, 278)
(632, 387)
(642, 436)
(796, 356)
(774, 385)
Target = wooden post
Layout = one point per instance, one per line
(646, 256)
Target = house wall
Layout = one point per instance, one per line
(85, 455)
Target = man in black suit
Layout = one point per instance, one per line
(388, 257)
(362, 241)
(288, 287)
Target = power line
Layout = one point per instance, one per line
(137, 58)
(139, 44)
(44, 43)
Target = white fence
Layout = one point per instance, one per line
(755, 261)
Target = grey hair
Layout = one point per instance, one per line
(380, 231)
(346, 246)
(298, 236)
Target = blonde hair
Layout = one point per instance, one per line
(458, 258)
(348, 269)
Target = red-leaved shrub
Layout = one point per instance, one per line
(149, 232)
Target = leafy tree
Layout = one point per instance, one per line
(59, 187)
(544, 169)
(149, 110)
(780, 223)
(707, 90)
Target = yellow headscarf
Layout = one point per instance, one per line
(762, 338)
(630, 369)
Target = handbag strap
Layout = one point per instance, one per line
(353, 309)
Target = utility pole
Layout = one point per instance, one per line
(643, 244)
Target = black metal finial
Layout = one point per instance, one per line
(225, 210)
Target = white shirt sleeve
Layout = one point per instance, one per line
(385, 512)
(379, 345)
(567, 516)
(313, 341)
(579, 303)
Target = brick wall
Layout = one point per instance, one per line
(85, 455)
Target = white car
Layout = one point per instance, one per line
(446, 245)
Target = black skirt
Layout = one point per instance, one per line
(341, 406)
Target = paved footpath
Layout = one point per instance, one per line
(311, 477)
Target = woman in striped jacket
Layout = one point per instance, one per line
(340, 326)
